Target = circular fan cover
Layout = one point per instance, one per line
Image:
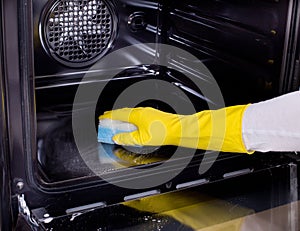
(78, 33)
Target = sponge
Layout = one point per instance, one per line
(107, 128)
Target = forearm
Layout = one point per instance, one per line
(219, 130)
(273, 125)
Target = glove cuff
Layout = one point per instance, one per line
(218, 130)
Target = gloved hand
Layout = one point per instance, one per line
(219, 130)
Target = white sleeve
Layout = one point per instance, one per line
(273, 125)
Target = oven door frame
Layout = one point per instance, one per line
(5, 195)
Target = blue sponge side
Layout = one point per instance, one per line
(105, 135)
(108, 128)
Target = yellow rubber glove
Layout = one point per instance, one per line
(219, 130)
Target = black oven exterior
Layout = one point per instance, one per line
(23, 188)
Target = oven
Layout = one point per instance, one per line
(52, 49)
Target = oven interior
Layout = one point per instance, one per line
(241, 43)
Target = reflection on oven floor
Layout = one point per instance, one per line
(120, 157)
(191, 209)
(184, 211)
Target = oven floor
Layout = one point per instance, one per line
(58, 155)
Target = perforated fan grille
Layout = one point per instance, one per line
(80, 32)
